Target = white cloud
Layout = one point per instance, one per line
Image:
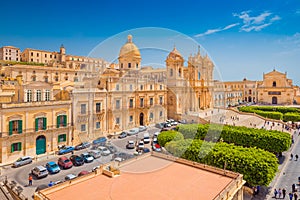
(256, 23)
(211, 31)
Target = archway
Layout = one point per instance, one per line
(142, 119)
(40, 144)
(249, 99)
(274, 100)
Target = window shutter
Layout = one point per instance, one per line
(36, 124)
(10, 127)
(20, 126)
(65, 120)
(65, 137)
(44, 123)
(19, 146)
(58, 121)
(12, 148)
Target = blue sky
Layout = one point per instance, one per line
(244, 38)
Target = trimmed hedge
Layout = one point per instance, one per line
(274, 112)
(167, 136)
(273, 141)
(258, 166)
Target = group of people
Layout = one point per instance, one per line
(296, 157)
(280, 193)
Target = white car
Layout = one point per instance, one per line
(142, 128)
(70, 177)
(156, 134)
(133, 131)
(141, 145)
(39, 171)
(104, 151)
(146, 138)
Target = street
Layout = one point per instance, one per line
(20, 175)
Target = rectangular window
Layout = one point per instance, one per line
(62, 138)
(130, 118)
(31, 54)
(83, 128)
(130, 103)
(161, 100)
(29, 95)
(97, 125)
(61, 121)
(151, 101)
(160, 87)
(16, 147)
(129, 65)
(141, 87)
(130, 87)
(37, 54)
(47, 95)
(15, 126)
(117, 120)
(161, 113)
(117, 104)
(98, 107)
(46, 79)
(117, 87)
(83, 109)
(199, 75)
(151, 87)
(141, 102)
(38, 95)
(40, 123)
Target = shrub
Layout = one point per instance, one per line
(257, 166)
(167, 136)
(294, 117)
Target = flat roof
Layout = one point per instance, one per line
(149, 178)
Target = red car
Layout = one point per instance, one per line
(65, 162)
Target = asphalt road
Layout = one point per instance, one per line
(20, 174)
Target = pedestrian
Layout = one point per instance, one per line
(295, 196)
(291, 196)
(279, 193)
(292, 156)
(296, 156)
(30, 180)
(283, 193)
(275, 193)
(294, 188)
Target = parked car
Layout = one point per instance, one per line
(133, 131)
(66, 149)
(123, 135)
(39, 171)
(104, 151)
(146, 150)
(111, 148)
(174, 123)
(130, 144)
(122, 155)
(23, 161)
(70, 177)
(154, 141)
(64, 162)
(142, 128)
(156, 134)
(146, 138)
(77, 160)
(52, 167)
(82, 145)
(156, 147)
(100, 141)
(182, 121)
(84, 172)
(160, 125)
(95, 153)
(141, 145)
(87, 157)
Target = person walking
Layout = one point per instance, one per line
(294, 188)
(291, 196)
(295, 196)
(275, 193)
(283, 193)
(292, 156)
(296, 157)
(30, 180)
(279, 193)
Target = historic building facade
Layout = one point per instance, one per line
(10, 53)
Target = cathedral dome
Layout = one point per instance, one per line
(129, 49)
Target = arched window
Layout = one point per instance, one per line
(274, 83)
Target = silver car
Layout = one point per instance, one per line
(39, 171)
(23, 161)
